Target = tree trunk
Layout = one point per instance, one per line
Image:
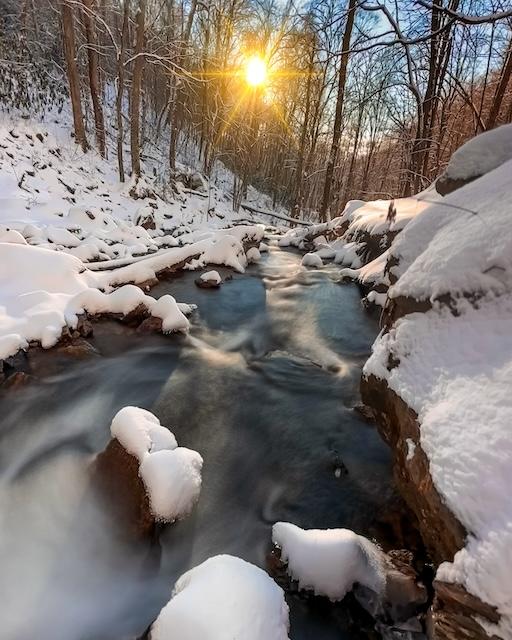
(68, 33)
(345, 53)
(138, 68)
(120, 90)
(94, 73)
(177, 102)
(506, 71)
(299, 178)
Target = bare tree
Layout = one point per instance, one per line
(68, 33)
(336, 135)
(94, 73)
(138, 68)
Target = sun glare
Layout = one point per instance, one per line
(255, 71)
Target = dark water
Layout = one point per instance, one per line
(264, 388)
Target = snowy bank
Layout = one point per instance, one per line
(224, 598)
(439, 381)
(42, 292)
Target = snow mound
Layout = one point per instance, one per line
(43, 291)
(312, 260)
(330, 561)
(481, 154)
(462, 244)
(171, 474)
(211, 276)
(253, 255)
(224, 598)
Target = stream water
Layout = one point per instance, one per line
(264, 388)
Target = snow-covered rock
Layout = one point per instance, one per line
(222, 599)
(211, 276)
(171, 474)
(481, 154)
(447, 357)
(253, 255)
(330, 561)
(312, 260)
(13, 236)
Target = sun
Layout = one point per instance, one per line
(255, 71)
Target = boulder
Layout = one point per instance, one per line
(115, 475)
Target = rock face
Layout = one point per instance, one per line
(442, 533)
(115, 476)
(454, 612)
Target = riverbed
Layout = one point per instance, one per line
(264, 387)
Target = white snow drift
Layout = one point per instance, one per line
(43, 291)
(224, 598)
(171, 474)
(330, 561)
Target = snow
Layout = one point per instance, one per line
(347, 255)
(224, 598)
(173, 481)
(65, 215)
(312, 260)
(140, 432)
(253, 255)
(481, 154)
(454, 250)
(455, 367)
(330, 561)
(211, 276)
(171, 474)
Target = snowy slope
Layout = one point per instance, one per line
(62, 210)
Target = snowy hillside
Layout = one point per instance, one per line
(61, 209)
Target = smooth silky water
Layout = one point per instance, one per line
(264, 387)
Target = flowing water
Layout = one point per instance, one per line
(264, 388)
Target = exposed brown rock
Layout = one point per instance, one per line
(115, 476)
(77, 348)
(454, 614)
(16, 380)
(207, 284)
(442, 533)
(445, 185)
(150, 325)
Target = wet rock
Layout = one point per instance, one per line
(365, 412)
(150, 325)
(135, 316)
(84, 326)
(78, 349)
(457, 614)
(206, 284)
(399, 609)
(441, 532)
(16, 380)
(115, 476)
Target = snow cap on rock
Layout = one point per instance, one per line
(222, 599)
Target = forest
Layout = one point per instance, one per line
(358, 100)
